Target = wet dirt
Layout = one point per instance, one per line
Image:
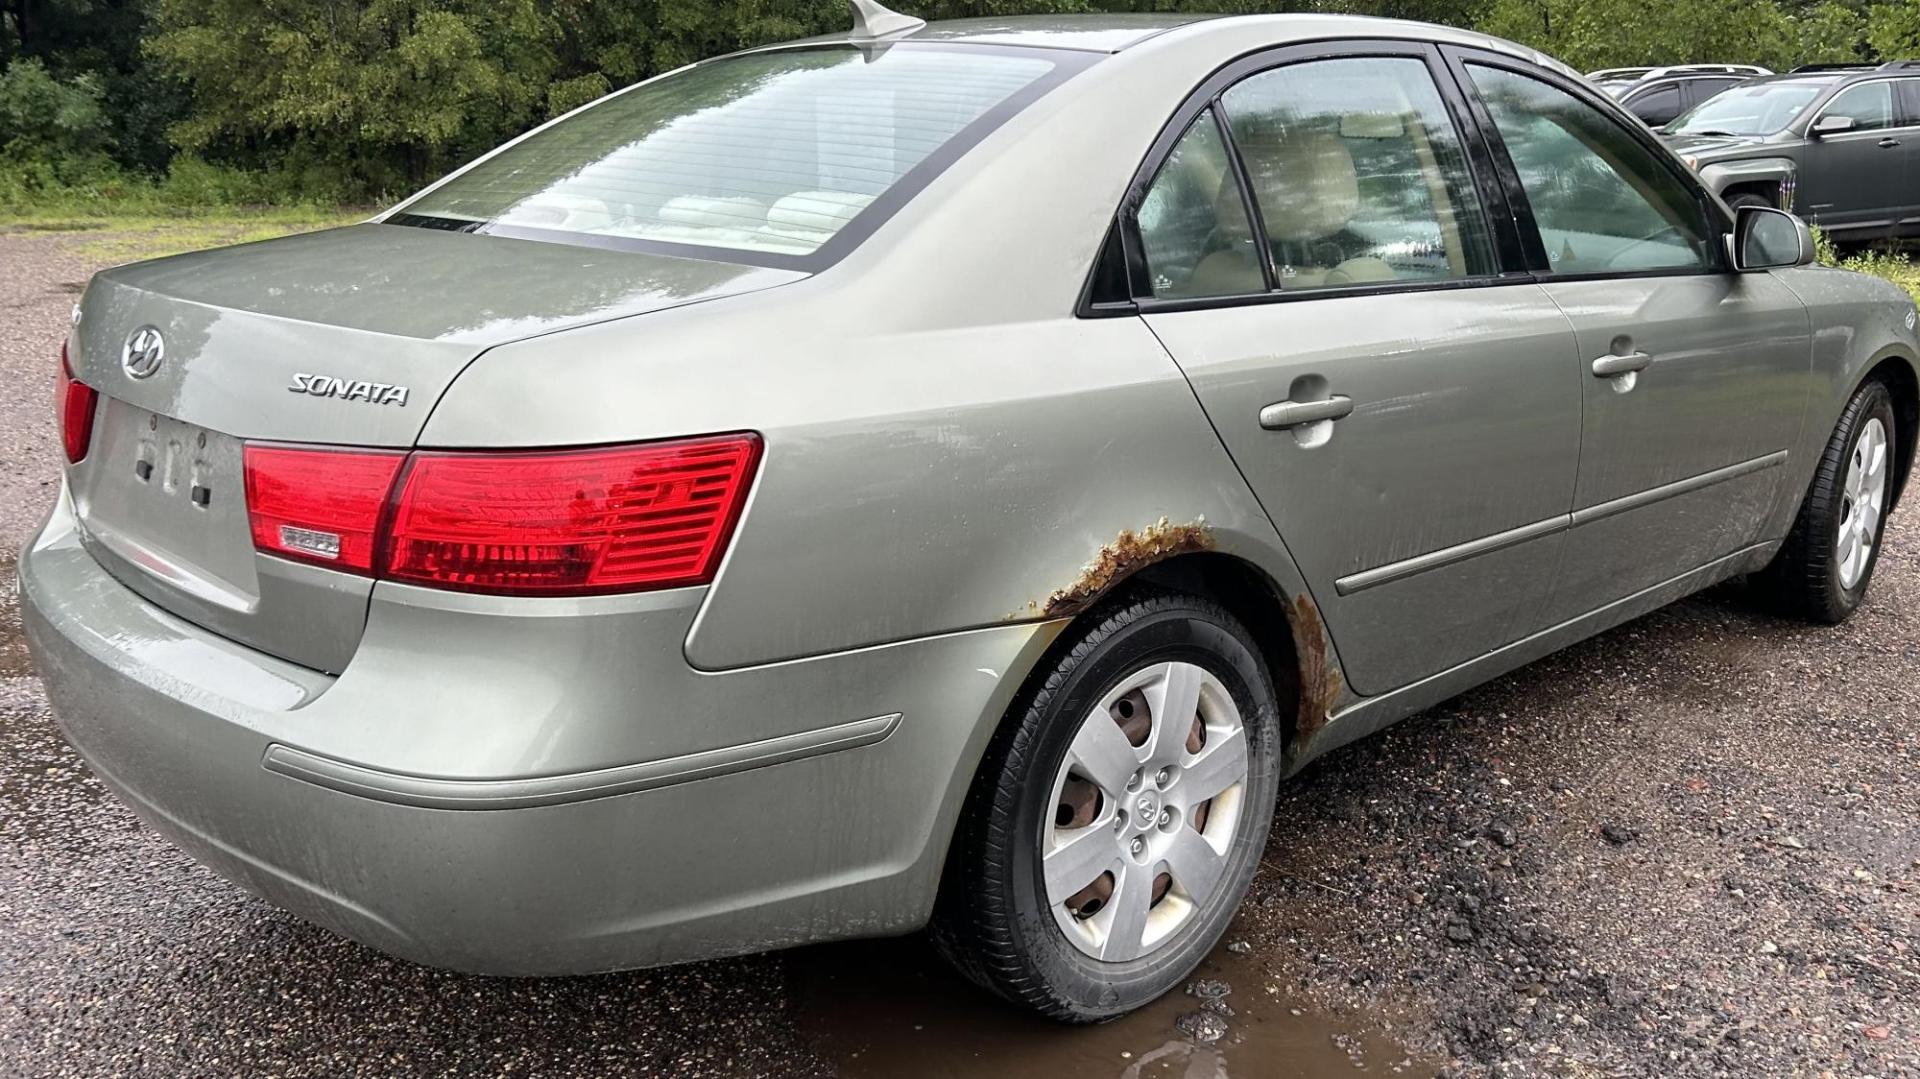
(884, 1009)
(14, 659)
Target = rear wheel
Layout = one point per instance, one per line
(1822, 572)
(1751, 198)
(1119, 815)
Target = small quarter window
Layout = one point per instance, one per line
(1602, 201)
(1358, 174)
(1193, 222)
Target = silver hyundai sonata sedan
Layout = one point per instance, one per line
(932, 476)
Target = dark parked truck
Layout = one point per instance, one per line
(1839, 146)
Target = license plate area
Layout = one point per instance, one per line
(169, 497)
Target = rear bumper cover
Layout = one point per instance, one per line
(423, 804)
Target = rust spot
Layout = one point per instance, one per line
(1320, 678)
(1129, 552)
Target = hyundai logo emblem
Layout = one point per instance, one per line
(144, 351)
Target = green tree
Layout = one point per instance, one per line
(385, 92)
(1893, 29)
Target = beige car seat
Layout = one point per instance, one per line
(1308, 191)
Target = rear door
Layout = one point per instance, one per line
(1692, 377)
(1907, 91)
(1856, 179)
(1407, 414)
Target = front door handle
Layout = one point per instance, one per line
(1888, 143)
(1615, 366)
(1285, 414)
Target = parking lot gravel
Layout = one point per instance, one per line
(1689, 847)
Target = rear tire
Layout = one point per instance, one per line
(1752, 199)
(1095, 773)
(1822, 572)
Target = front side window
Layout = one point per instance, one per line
(1760, 109)
(1193, 222)
(1602, 201)
(1358, 174)
(1869, 105)
(773, 153)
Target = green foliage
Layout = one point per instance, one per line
(43, 116)
(1893, 29)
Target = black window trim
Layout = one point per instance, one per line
(1500, 221)
(1717, 219)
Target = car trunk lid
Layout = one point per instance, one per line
(346, 337)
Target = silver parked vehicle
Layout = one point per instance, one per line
(938, 475)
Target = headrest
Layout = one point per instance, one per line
(1371, 125)
(1304, 181)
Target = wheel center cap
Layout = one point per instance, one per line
(1146, 810)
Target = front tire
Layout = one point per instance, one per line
(1822, 572)
(1145, 760)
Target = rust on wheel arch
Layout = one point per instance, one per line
(1129, 553)
(1321, 681)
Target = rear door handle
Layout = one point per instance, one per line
(1615, 366)
(1888, 143)
(1285, 414)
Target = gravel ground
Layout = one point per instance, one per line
(1688, 847)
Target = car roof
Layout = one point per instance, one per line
(1083, 33)
(1118, 32)
(1088, 33)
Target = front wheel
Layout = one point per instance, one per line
(1119, 815)
(1822, 572)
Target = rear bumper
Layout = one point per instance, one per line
(470, 794)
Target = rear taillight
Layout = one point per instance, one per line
(319, 505)
(75, 402)
(574, 522)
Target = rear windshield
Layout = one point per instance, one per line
(770, 157)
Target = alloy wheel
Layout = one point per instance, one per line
(1863, 500)
(1145, 807)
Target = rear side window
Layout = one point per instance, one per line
(1657, 106)
(774, 153)
(1869, 105)
(1601, 201)
(1193, 222)
(1358, 174)
(1909, 90)
(1703, 89)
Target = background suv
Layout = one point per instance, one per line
(1659, 95)
(1838, 145)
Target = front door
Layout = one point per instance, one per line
(1856, 179)
(1692, 377)
(1408, 417)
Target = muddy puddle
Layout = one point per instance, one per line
(889, 1009)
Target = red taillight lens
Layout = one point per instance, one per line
(76, 402)
(319, 505)
(570, 523)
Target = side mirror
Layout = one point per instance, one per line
(1769, 239)
(1833, 125)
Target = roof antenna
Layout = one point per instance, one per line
(871, 22)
